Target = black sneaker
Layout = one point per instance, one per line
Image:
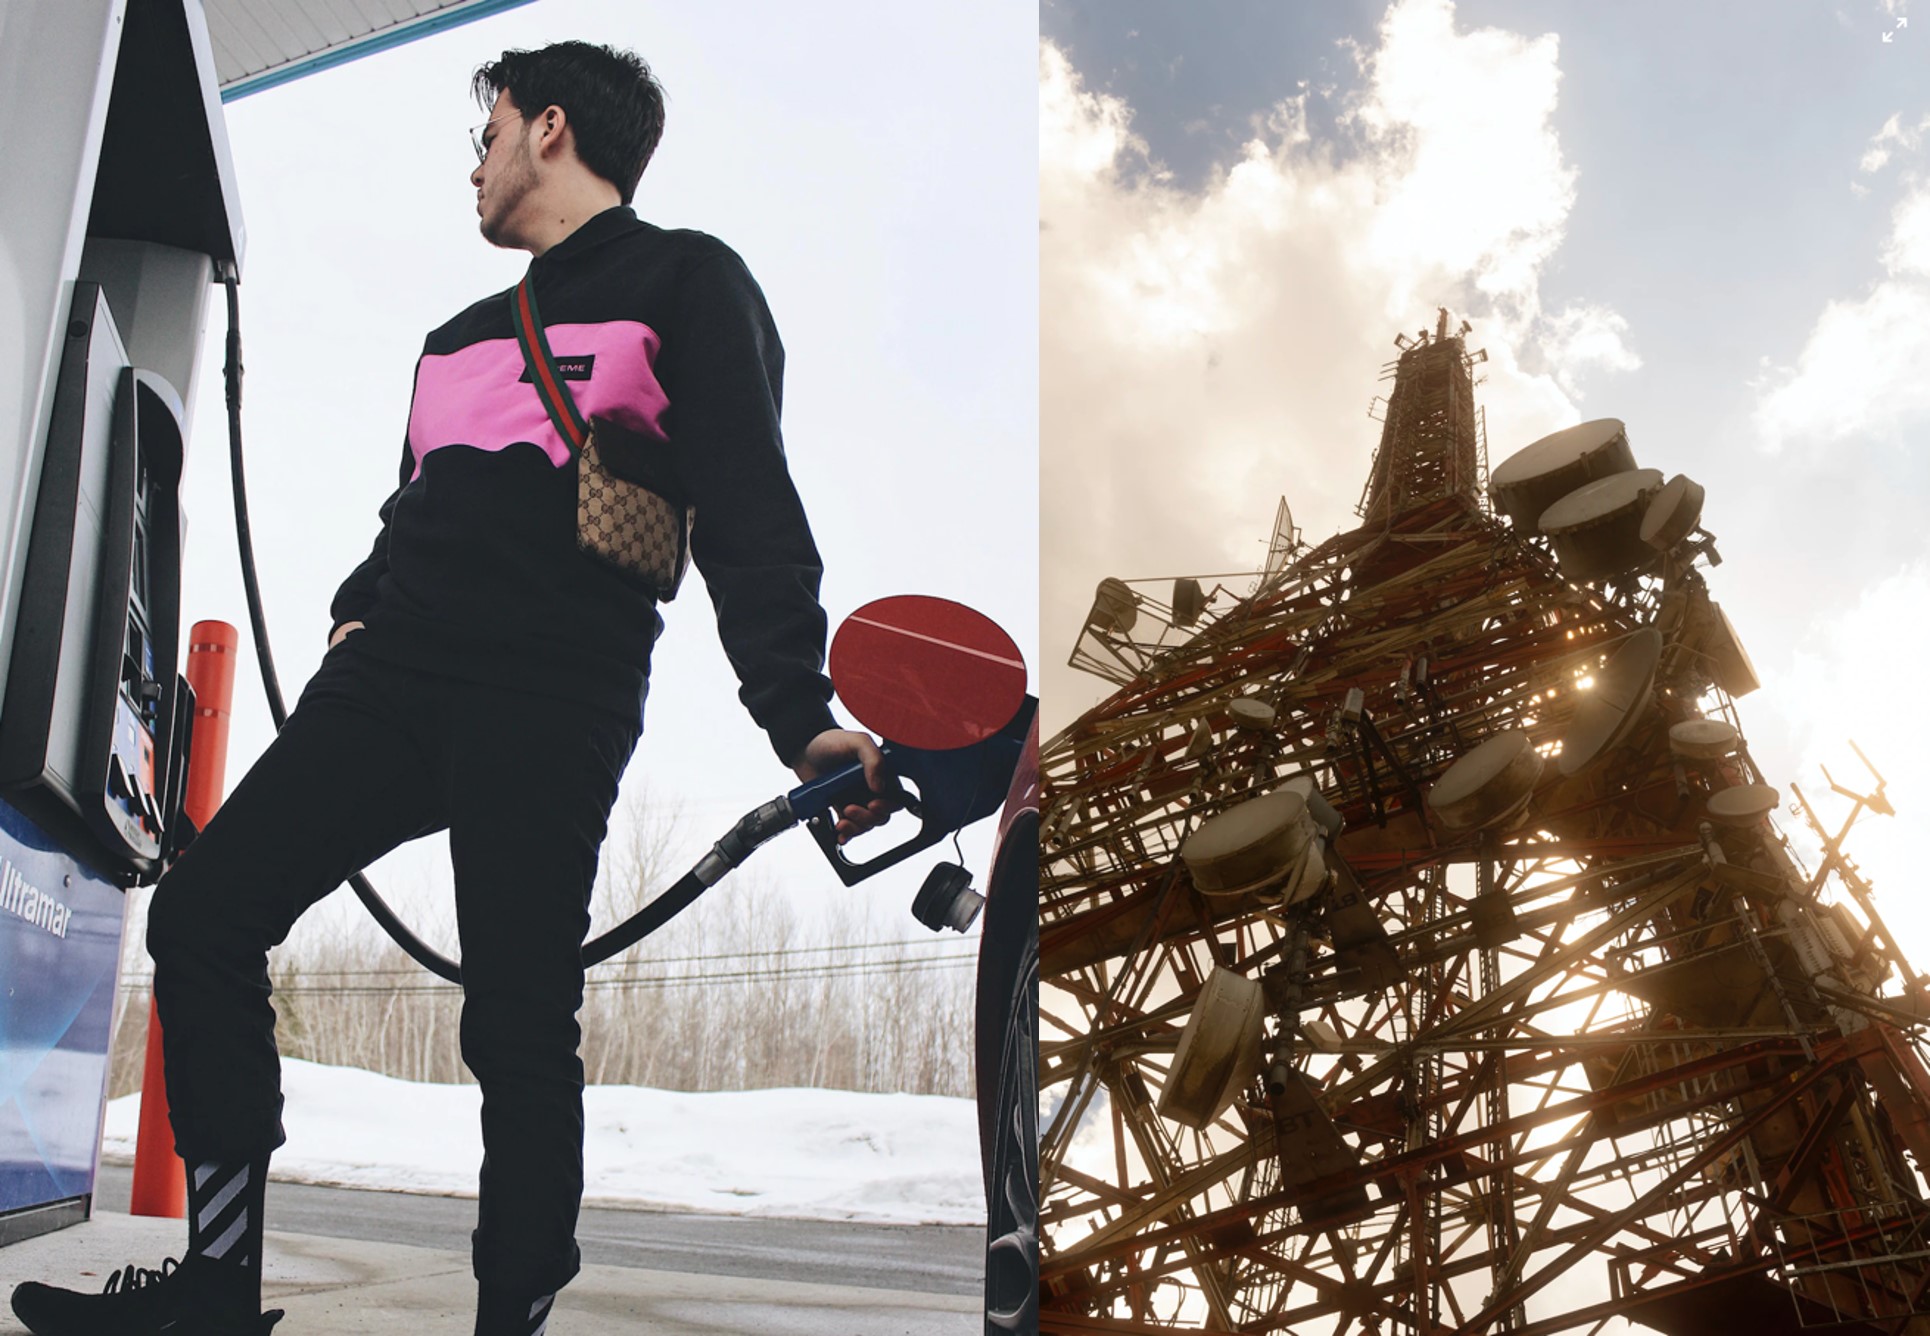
(134, 1302)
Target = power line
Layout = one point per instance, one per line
(913, 943)
(933, 944)
(856, 969)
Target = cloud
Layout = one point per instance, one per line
(1889, 139)
(1860, 371)
(1841, 687)
(1878, 154)
(1204, 352)
(1581, 337)
(1907, 249)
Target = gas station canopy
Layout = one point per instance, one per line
(261, 43)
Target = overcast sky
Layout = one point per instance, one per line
(873, 163)
(1709, 220)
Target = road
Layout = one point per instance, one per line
(929, 1259)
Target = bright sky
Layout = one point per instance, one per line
(872, 162)
(1711, 221)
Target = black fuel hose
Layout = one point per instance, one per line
(752, 830)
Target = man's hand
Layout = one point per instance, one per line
(836, 748)
(342, 632)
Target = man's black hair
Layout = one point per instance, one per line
(614, 103)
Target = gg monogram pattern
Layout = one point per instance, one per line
(630, 527)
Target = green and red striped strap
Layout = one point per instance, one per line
(556, 397)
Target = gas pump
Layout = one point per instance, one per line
(119, 214)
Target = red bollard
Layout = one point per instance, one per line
(160, 1183)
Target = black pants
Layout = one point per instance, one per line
(372, 755)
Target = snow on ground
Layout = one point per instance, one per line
(814, 1154)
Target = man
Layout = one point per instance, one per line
(485, 676)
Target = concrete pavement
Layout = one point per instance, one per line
(941, 1259)
(343, 1287)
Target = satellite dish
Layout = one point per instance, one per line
(1219, 1050)
(1114, 606)
(1597, 528)
(1672, 513)
(1536, 476)
(1735, 673)
(1620, 697)
(1702, 739)
(927, 672)
(1487, 785)
(1189, 601)
(1246, 848)
(1249, 712)
(1742, 804)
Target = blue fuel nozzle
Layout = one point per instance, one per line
(952, 789)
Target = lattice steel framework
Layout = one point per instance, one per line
(1430, 442)
(1617, 1060)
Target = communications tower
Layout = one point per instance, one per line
(1418, 951)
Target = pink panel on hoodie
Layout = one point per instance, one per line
(477, 397)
